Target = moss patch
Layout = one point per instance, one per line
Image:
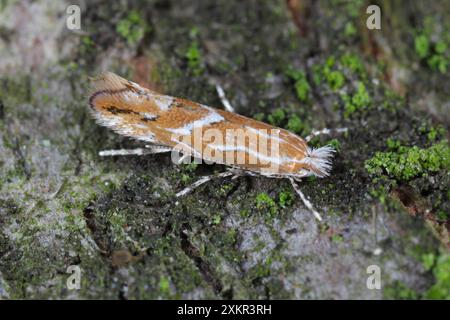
(193, 54)
(301, 84)
(264, 202)
(435, 55)
(441, 272)
(358, 101)
(409, 162)
(133, 27)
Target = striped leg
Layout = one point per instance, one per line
(305, 200)
(316, 133)
(226, 103)
(149, 149)
(202, 181)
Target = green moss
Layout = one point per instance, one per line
(193, 54)
(333, 74)
(285, 119)
(185, 178)
(329, 63)
(335, 79)
(435, 55)
(409, 162)
(440, 47)
(264, 202)
(393, 144)
(164, 285)
(75, 223)
(244, 213)
(335, 144)
(422, 45)
(398, 290)
(191, 167)
(276, 117)
(216, 219)
(194, 58)
(117, 226)
(337, 238)
(380, 193)
(261, 270)
(428, 261)
(360, 100)
(434, 133)
(438, 62)
(317, 74)
(295, 124)
(230, 237)
(441, 272)
(353, 8)
(132, 28)
(259, 116)
(301, 84)
(225, 188)
(87, 45)
(443, 215)
(328, 72)
(349, 29)
(285, 198)
(353, 63)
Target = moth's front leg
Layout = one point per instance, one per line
(316, 133)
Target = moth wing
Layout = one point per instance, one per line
(111, 82)
(123, 106)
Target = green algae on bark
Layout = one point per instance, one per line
(405, 163)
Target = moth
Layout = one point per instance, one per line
(167, 124)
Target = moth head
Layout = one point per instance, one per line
(318, 161)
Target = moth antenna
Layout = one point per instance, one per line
(226, 103)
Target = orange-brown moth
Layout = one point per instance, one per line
(167, 123)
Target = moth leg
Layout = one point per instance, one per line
(183, 158)
(306, 202)
(202, 181)
(186, 156)
(153, 148)
(226, 103)
(149, 149)
(186, 159)
(316, 133)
